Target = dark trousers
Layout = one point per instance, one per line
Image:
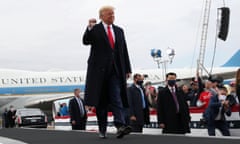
(5, 122)
(114, 104)
(221, 125)
(178, 127)
(138, 128)
(126, 116)
(11, 123)
(79, 126)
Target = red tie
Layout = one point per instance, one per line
(110, 37)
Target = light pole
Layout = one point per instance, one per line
(157, 57)
(171, 54)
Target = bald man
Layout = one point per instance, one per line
(108, 69)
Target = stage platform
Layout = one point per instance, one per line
(37, 136)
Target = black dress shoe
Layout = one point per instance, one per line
(102, 135)
(124, 130)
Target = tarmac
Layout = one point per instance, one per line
(42, 136)
(4, 140)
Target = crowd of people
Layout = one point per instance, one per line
(216, 100)
(8, 117)
(172, 104)
(198, 95)
(109, 68)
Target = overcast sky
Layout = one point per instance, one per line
(41, 35)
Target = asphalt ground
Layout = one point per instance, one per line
(38, 136)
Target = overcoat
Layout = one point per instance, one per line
(102, 57)
(167, 112)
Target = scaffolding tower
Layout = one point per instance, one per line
(206, 15)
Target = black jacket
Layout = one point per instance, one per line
(74, 111)
(11, 117)
(101, 58)
(136, 105)
(167, 112)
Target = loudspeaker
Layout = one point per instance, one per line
(225, 15)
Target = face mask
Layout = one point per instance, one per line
(222, 97)
(139, 82)
(171, 82)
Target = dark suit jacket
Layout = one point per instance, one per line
(238, 93)
(167, 112)
(102, 57)
(213, 110)
(10, 118)
(136, 105)
(74, 111)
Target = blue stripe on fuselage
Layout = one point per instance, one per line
(39, 89)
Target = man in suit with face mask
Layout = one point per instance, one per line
(173, 113)
(215, 114)
(138, 104)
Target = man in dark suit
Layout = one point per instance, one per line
(138, 104)
(11, 115)
(215, 113)
(77, 111)
(173, 113)
(238, 86)
(5, 120)
(108, 69)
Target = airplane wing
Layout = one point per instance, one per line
(184, 76)
(225, 73)
(42, 101)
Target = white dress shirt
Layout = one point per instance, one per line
(111, 28)
(81, 108)
(172, 89)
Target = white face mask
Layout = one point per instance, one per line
(222, 97)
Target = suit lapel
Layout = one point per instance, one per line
(177, 94)
(77, 104)
(168, 90)
(116, 33)
(105, 35)
(138, 90)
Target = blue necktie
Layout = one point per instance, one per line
(143, 99)
(80, 104)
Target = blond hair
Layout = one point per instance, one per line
(105, 8)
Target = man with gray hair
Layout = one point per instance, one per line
(108, 69)
(77, 111)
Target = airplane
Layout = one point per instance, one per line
(31, 89)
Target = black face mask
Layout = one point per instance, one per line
(140, 82)
(171, 83)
